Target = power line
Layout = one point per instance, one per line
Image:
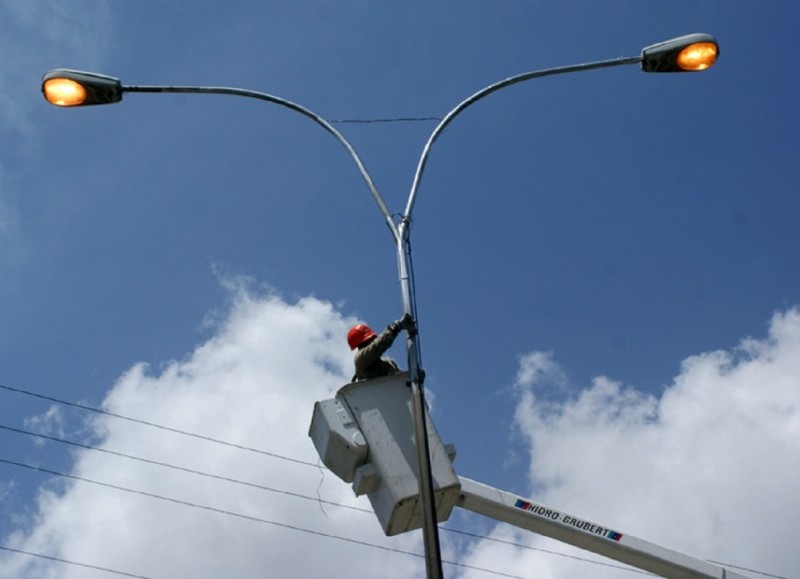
(186, 503)
(748, 570)
(327, 535)
(388, 120)
(155, 425)
(178, 468)
(549, 552)
(299, 495)
(246, 517)
(68, 562)
(261, 487)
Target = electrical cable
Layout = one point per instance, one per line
(413, 286)
(550, 552)
(245, 516)
(178, 468)
(68, 562)
(748, 570)
(261, 487)
(341, 505)
(388, 120)
(154, 425)
(293, 494)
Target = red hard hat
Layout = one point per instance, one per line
(359, 334)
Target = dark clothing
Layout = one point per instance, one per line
(368, 361)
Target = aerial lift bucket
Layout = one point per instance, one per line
(365, 435)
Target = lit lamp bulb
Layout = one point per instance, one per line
(698, 56)
(64, 92)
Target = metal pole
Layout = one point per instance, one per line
(430, 528)
(427, 500)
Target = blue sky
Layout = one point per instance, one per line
(606, 227)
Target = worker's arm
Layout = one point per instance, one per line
(373, 351)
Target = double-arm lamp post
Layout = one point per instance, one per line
(694, 52)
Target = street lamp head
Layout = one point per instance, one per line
(690, 53)
(72, 88)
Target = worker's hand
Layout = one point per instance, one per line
(406, 322)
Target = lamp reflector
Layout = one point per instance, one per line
(64, 92)
(699, 56)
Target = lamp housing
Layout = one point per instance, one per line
(690, 53)
(73, 88)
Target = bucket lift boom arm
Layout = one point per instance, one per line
(556, 524)
(365, 436)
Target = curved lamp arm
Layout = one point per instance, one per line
(690, 53)
(65, 87)
(463, 105)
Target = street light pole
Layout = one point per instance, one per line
(689, 53)
(427, 502)
(64, 87)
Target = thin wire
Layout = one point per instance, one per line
(68, 562)
(199, 506)
(154, 425)
(293, 494)
(550, 552)
(748, 570)
(298, 495)
(389, 120)
(413, 286)
(274, 455)
(246, 517)
(179, 468)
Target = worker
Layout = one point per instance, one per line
(371, 346)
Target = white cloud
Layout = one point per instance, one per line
(50, 423)
(709, 467)
(254, 384)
